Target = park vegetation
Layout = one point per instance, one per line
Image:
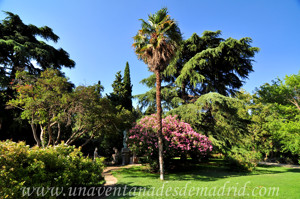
(194, 108)
(23, 168)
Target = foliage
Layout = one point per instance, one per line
(203, 64)
(128, 88)
(219, 117)
(260, 134)
(59, 166)
(170, 99)
(279, 102)
(46, 101)
(284, 92)
(226, 121)
(24, 47)
(20, 46)
(179, 138)
(243, 160)
(118, 95)
(156, 42)
(42, 101)
(122, 90)
(121, 98)
(94, 116)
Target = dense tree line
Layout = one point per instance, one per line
(201, 84)
(34, 91)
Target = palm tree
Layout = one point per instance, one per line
(156, 44)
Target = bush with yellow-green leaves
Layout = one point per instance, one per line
(58, 166)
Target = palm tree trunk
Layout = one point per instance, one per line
(159, 119)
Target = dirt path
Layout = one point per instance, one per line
(280, 165)
(109, 178)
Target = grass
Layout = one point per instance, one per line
(208, 181)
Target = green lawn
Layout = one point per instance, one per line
(210, 180)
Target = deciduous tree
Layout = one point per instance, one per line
(41, 102)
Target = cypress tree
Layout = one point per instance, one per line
(128, 89)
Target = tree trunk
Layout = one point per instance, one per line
(87, 141)
(73, 138)
(42, 136)
(293, 101)
(10, 90)
(36, 138)
(159, 119)
(183, 93)
(58, 133)
(50, 135)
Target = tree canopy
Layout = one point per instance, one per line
(20, 47)
(203, 64)
(42, 101)
(218, 117)
(122, 89)
(279, 102)
(47, 102)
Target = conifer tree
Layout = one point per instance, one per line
(204, 64)
(128, 88)
(118, 94)
(20, 45)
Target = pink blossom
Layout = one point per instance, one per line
(177, 135)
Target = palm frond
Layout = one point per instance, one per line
(156, 41)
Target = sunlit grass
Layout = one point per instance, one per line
(208, 180)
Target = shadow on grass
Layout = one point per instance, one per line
(206, 172)
(297, 170)
(294, 170)
(209, 171)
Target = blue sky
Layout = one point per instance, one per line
(98, 34)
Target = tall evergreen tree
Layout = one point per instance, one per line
(117, 96)
(204, 64)
(128, 88)
(19, 47)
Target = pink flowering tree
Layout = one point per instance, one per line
(179, 138)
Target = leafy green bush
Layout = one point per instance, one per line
(242, 160)
(59, 166)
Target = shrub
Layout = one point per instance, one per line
(179, 139)
(242, 160)
(59, 166)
